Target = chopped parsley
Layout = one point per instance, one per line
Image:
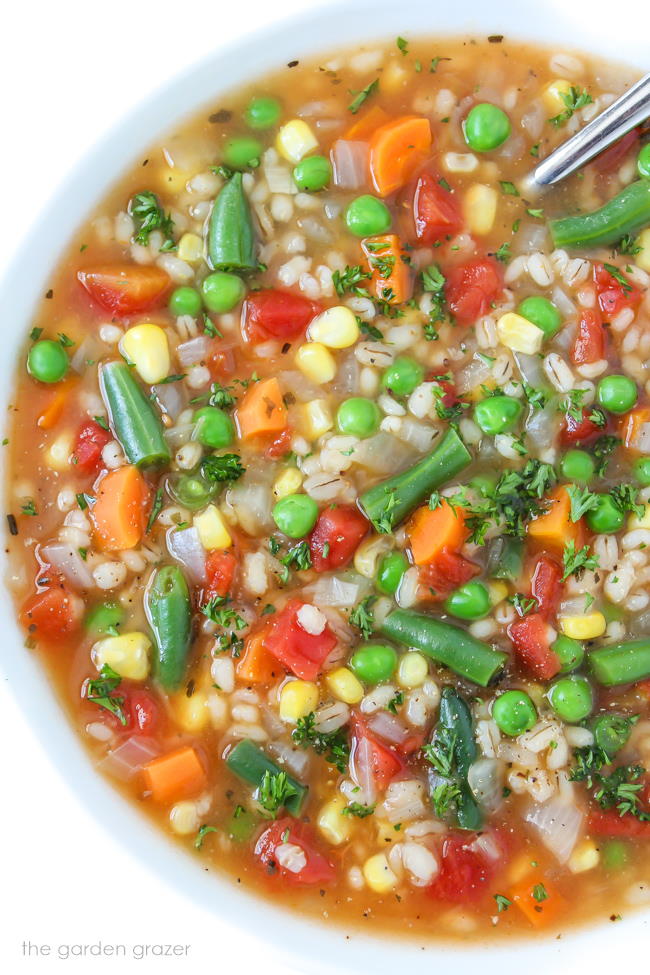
(202, 833)
(504, 253)
(395, 702)
(508, 188)
(402, 45)
(101, 692)
(362, 96)
(576, 562)
(217, 611)
(444, 796)
(156, 508)
(358, 809)
(274, 791)
(523, 604)
(503, 903)
(539, 893)
(349, 279)
(582, 501)
(363, 617)
(223, 467)
(574, 99)
(29, 508)
(333, 745)
(149, 216)
(298, 557)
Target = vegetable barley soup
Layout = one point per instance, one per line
(330, 491)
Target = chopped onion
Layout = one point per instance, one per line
(171, 399)
(388, 727)
(640, 624)
(487, 845)
(562, 302)
(299, 385)
(89, 350)
(196, 350)
(418, 435)
(565, 338)
(382, 454)
(472, 375)
(541, 425)
(558, 824)
(66, 560)
(250, 501)
(350, 162)
(642, 440)
(128, 758)
(177, 436)
(485, 778)
(530, 369)
(185, 546)
(361, 764)
(333, 591)
(531, 237)
(347, 377)
(295, 759)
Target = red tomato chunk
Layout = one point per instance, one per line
(447, 572)
(91, 440)
(614, 293)
(220, 571)
(546, 587)
(530, 638)
(277, 314)
(126, 290)
(435, 211)
(464, 871)
(303, 865)
(336, 537)
(471, 288)
(52, 615)
(591, 340)
(301, 652)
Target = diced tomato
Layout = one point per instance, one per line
(272, 314)
(143, 711)
(336, 537)
(546, 586)
(580, 432)
(609, 822)
(591, 340)
(220, 571)
(436, 214)
(613, 295)
(471, 288)
(280, 446)
(610, 159)
(301, 652)
(464, 871)
(222, 363)
(91, 440)
(317, 869)
(532, 648)
(125, 289)
(52, 615)
(447, 572)
(370, 757)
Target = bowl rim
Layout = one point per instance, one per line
(314, 945)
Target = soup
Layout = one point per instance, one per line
(329, 491)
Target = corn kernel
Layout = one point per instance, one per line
(584, 857)
(378, 874)
(552, 96)
(642, 259)
(643, 522)
(368, 554)
(316, 362)
(191, 713)
(317, 418)
(212, 529)
(344, 685)
(147, 348)
(295, 140)
(297, 698)
(583, 627)
(413, 670)
(336, 328)
(498, 591)
(173, 179)
(480, 208)
(393, 77)
(288, 481)
(518, 334)
(184, 818)
(190, 248)
(334, 826)
(386, 832)
(126, 654)
(57, 455)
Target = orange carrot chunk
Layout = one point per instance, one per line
(554, 528)
(538, 901)
(257, 665)
(55, 404)
(367, 123)
(175, 775)
(430, 532)
(631, 427)
(396, 151)
(262, 410)
(391, 278)
(120, 512)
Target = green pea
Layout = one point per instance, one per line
(312, 174)
(242, 825)
(616, 854)
(514, 712)
(497, 414)
(358, 417)
(222, 291)
(543, 313)
(577, 466)
(367, 216)
(191, 490)
(47, 361)
(571, 698)
(214, 428)
(606, 518)
(484, 484)
(402, 376)
(391, 569)
(263, 112)
(643, 161)
(295, 515)
(242, 152)
(641, 468)
(185, 301)
(486, 127)
(570, 652)
(105, 619)
(374, 662)
(469, 602)
(611, 732)
(618, 394)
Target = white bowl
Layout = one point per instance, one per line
(314, 947)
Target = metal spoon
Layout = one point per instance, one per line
(624, 114)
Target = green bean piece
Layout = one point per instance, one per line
(231, 239)
(505, 558)
(626, 213)
(621, 663)
(250, 763)
(388, 503)
(445, 643)
(168, 608)
(132, 416)
(456, 728)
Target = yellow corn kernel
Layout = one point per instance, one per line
(413, 669)
(316, 362)
(288, 481)
(317, 418)
(57, 455)
(393, 77)
(295, 140)
(386, 832)
(518, 334)
(190, 248)
(552, 96)
(336, 328)
(378, 874)
(126, 654)
(583, 627)
(643, 522)
(173, 179)
(480, 208)
(498, 591)
(334, 826)
(184, 818)
(642, 259)
(297, 698)
(147, 348)
(584, 857)
(369, 553)
(212, 529)
(191, 713)
(344, 685)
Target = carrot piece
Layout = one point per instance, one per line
(631, 427)
(367, 123)
(391, 277)
(257, 665)
(120, 512)
(262, 410)
(430, 532)
(52, 412)
(554, 528)
(396, 150)
(542, 910)
(174, 775)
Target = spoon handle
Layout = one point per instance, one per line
(628, 111)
